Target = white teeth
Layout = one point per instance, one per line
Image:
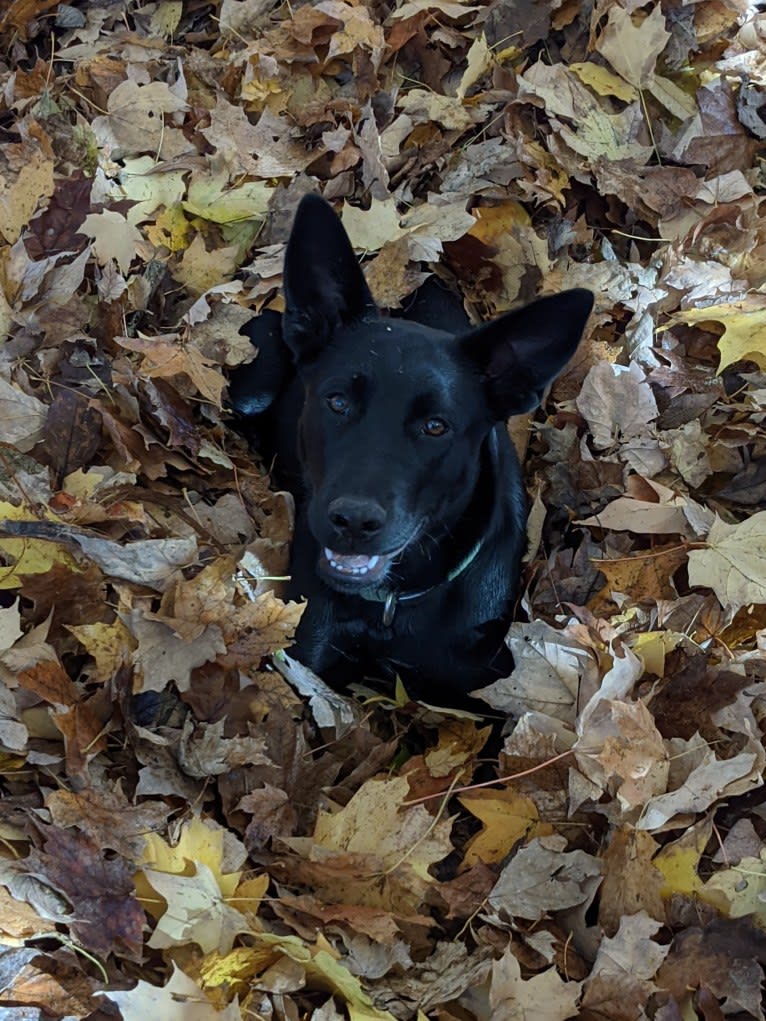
(345, 568)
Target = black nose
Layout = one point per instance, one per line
(354, 518)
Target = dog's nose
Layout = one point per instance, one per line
(354, 518)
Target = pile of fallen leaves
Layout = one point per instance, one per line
(189, 828)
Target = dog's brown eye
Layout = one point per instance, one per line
(337, 403)
(434, 427)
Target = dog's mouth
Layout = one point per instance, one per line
(360, 567)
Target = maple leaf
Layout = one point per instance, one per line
(543, 877)
(379, 851)
(744, 329)
(545, 995)
(113, 238)
(107, 916)
(632, 49)
(135, 122)
(19, 197)
(164, 359)
(181, 999)
(196, 912)
(733, 563)
(626, 965)
(30, 556)
(507, 818)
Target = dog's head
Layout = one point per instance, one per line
(395, 413)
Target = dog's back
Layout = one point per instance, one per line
(410, 521)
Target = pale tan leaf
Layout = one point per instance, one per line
(196, 912)
(542, 996)
(180, 1000)
(22, 417)
(617, 403)
(113, 238)
(632, 49)
(734, 563)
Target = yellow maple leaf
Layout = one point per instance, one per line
(322, 969)
(374, 822)
(744, 336)
(507, 818)
(110, 645)
(653, 646)
(170, 230)
(19, 198)
(211, 197)
(603, 81)
(30, 556)
(199, 270)
(678, 861)
(199, 842)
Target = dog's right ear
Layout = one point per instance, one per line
(324, 285)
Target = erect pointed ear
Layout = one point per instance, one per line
(520, 353)
(324, 286)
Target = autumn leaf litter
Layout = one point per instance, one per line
(193, 826)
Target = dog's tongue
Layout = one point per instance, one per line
(351, 563)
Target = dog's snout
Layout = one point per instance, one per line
(354, 518)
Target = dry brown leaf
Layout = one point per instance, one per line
(543, 877)
(543, 995)
(19, 198)
(632, 48)
(164, 358)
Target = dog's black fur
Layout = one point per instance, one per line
(390, 432)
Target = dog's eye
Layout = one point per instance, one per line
(338, 404)
(434, 427)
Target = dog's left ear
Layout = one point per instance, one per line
(520, 353)
(324, 285)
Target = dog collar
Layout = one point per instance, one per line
(391, 597)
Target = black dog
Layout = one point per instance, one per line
(391, 435)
